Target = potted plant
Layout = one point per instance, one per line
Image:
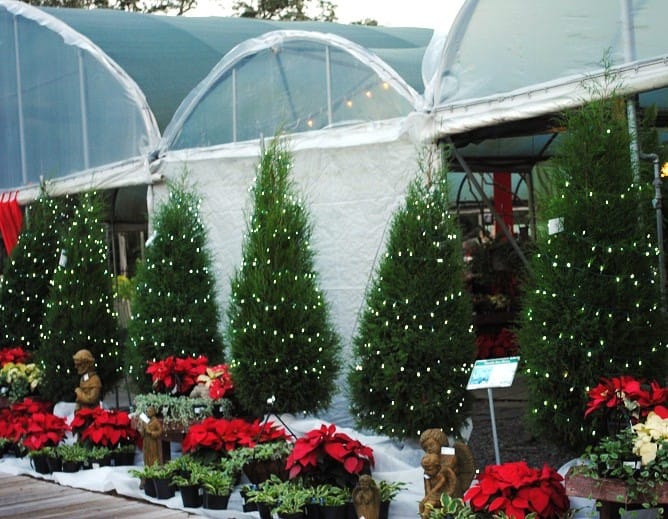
(187, 476)
(39, 459)
(19, 380)
(451, 508)
(326, 456)
(42, 430)
(156, 480)
(217, 486)
(100, 456)
(327, 501)
(264, 459)
(212, 438)
(292, 501)
(266, 495)
(72, 456)
(98, 427)
(388, 491)
(517, 490)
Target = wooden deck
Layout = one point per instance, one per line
(26, 497)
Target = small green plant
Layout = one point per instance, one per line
(329, 495)
(217, 482)
(193, 474)
(181, 410)
(74, 452)
(390, 489)
(267, 492)
(155, 471)
(292, 498)
(451, 508)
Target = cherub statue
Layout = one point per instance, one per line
(366, 498)
(447, 470)
(88, 394)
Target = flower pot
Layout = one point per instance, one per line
(40, 464)
(314, 511)
(384, 511)
(55, 464)
(191, 496)
(248, 507)
(163, 488)
(149, 487)
(351, 514)
(71, 466)
(264, 510)
(124, 458)
(333, 511)
(214, 502)
(292, 515)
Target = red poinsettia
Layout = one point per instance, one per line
(320, 452)
(518, 490)
(17, 419)
(220, 434)
(626, 393)
(43, 430)
(104, 427)
(16, 355)
(502, 344)
(218, 380)
(176, 375)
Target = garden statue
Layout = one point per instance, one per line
(366, 498)
(88, 394)
(447, 470)
(152, 430)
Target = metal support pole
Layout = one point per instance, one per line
(658, 203)
(495, 438)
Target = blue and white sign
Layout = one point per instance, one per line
(490, 373)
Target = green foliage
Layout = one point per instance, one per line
(452, 508)
(217, 482)
(414, 348)
(175, 311)
(286, 10)
(173, 7)
(282, 342)
(27, 276)
(79, 310)
(592, 305)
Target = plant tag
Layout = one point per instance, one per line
(62, 261)
(426, 477)
(448, 451)
(85, 377)
(144, 418)
(555, 225)
(174, 390)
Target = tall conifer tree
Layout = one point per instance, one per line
(175, 311)
(80, 307)
(592, 304)
(28, 274)
(281, 337)
(415, 346)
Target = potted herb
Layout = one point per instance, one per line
(266, 495)
(39, 459)
(73, 457)
(292, 501)
(218, 486)
(187, 477)
(388, 491)
(156, 480)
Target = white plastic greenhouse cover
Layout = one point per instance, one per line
(512, 60)
(101, 117)
(293, 80)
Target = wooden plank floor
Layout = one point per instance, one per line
(26, 497)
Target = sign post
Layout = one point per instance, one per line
(488, 374)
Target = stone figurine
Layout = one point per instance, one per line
(88, 394)
(447, 470)
(152, 431)
(366, 498)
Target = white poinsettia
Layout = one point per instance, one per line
(653, 430)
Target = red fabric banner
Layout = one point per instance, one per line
(503, 201)
(11, 220)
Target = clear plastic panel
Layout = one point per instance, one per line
(10, 148)
(285, 87)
